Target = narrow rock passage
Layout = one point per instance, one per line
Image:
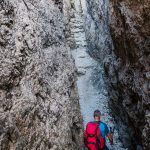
(90, 83)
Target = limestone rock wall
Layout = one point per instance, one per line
(126, 59)
(39, 106)
(97, 31)
(130, 83)
(68, 11)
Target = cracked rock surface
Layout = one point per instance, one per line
(39, 106)
(126, 59)
(130, 83)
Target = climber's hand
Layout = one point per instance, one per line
(111, 142)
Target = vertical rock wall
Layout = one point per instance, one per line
(96, 28)
(130, 30)
(69, 10)
(127, 63)
(39, 106)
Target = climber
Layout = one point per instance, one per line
(95, 134)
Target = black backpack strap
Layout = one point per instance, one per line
(98, 123)
(98, 138)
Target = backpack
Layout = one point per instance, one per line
(92, 137)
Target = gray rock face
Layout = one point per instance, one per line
(97, 31)
(68, 11)
(39, 106)
(129, 22)
(127, 65)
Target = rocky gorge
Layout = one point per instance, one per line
(61, 60)
(130, 30)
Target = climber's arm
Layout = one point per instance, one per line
(110, 137)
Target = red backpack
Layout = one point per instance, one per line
(92, 137)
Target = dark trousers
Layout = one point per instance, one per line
(105, 148)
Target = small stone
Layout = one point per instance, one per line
(148, 75)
